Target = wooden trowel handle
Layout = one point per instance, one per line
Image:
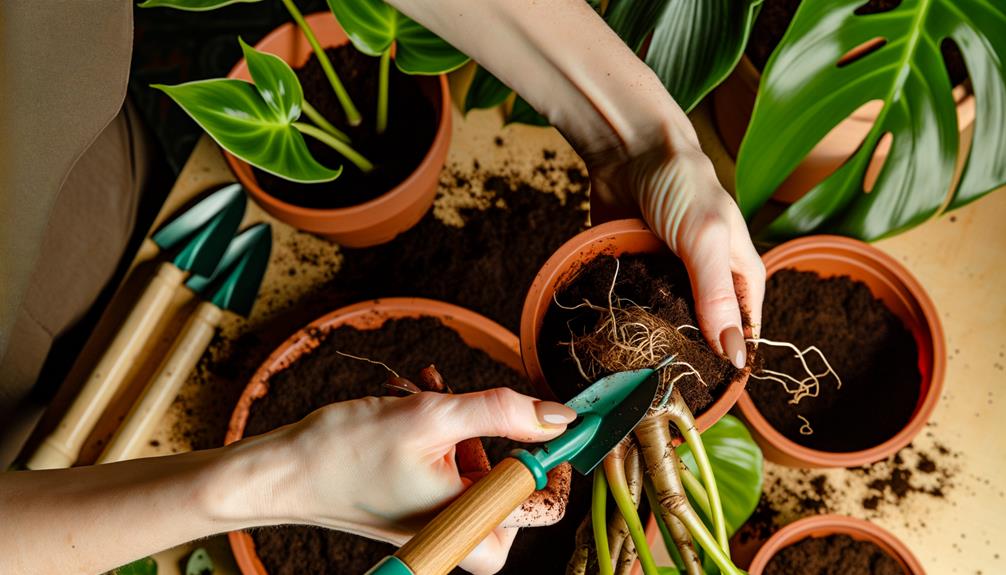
(459, 528)
(61, 448)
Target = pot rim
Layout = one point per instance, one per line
(389, 197)
(833, 524)
(359, 315)
(869, 257)
(562, 265)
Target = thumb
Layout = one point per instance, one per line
(500, 412)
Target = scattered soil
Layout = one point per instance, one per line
(833, 555)
(412, 124)
(325, 376)
(866, 344)
(775, 16)
(902, 478)
(657, 282)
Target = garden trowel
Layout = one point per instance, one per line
(232, 287)
(608, 411)
(202, 233)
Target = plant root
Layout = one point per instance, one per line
(808, 386)
(583, 553)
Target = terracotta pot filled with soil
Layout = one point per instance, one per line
(834, 544)
(357, 209)
(313, 368)
(883, 343)
(733, 103)
(620, 270)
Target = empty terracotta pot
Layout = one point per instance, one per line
(630, 236)
(904, 296)
(825, 525)
(733, 103)
(477, 331)
(380, 219)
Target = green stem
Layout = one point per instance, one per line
(382, 92)
(665, 533)
(352, 114)
(708, 543)
(615, 472)
(324, 124)
(598, 509)
(338, 145)
(694, 488)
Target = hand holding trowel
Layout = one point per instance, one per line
(608, 411)
(235, 284)
(208, 228)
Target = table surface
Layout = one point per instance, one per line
(958, 258)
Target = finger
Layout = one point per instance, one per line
(490, 555)
(749, 281)
(500, 412)
(708, 261)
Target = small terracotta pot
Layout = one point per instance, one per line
(613, 238)
(477, 331)
(904, 296)
(375, 221)
(733, 103)
(825, 525)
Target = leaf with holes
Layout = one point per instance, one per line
(255, 122)
(804, 93)
(373, 26)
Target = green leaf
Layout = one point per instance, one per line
(373, 26)
(737, 466)
(193, 5)
(523, 113)
(485, 91)
(804, 94)
(697, 43)
(199, 563)
(145, 566)
(255, 122)
(633, 20)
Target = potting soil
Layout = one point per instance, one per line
(833, 555)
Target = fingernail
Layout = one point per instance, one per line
(732, 343)
(551, 413)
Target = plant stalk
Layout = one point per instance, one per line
(338, 145)
(382, 91)
(694, 488)
(352, 114)
(614, 471)
(682, 417)
(598, 510)
(316, 117)
(665, 532)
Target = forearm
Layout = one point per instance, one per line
(92, 519)
(565, 60)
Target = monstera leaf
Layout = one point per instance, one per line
(737, 466)
(374, 26)
(193, 5)
(807, 88)
(255, 122)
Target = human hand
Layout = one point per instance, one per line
(675, 186)
(379, 467)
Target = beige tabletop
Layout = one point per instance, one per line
(958, 258)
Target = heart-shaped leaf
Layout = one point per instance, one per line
(193, 5)
(737, 466)
(485, 91)
(255, 122)
(805, 92)
(373, 26)
(697, 43)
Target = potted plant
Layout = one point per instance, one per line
(855, 545)
(882, 337)
(359, 178)
(611, 299)
(373, 348)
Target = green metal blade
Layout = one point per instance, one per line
(186, 224)
(202, 253)
(239, 274)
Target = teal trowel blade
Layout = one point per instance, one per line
(202, 253)
(188, 222)
(234, 284)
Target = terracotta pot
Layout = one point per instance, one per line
(733, 103)
(904, 296)
(613, 238)
(378, 220)
(477, 331)
(825, 525)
